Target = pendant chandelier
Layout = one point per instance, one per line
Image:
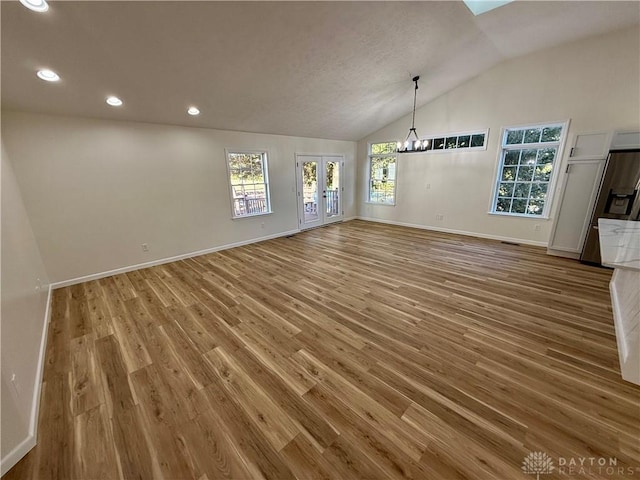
(413, 144)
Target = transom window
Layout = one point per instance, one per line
(248, 178)
(382, 173)
(526, 167)
(469, 141)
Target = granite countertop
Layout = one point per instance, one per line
(619, 243)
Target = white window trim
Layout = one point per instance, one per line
(557, 165)
(264, 152)
(367, 200)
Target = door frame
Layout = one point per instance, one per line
(322, 218)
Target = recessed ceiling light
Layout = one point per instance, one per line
(114, 101)
(36, 5)
(48, 75)
(193, 111)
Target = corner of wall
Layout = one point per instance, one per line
(25, 320)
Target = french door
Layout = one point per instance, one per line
(319, 189)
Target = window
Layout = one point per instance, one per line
(526, 166)
(467, 141)
(249, 181)
(382, 173)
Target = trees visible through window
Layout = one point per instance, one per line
(248, 178)
(382, 173)
(526, 166)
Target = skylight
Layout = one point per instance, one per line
(479, 7)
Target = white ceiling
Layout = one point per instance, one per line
(338, 70)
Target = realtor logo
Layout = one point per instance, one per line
(537, 463)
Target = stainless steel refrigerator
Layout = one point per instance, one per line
(618, 198)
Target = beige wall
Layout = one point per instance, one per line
(594, 83)
(95, 190)
(22, 313)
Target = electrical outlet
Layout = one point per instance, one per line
(537, 227)
(145, 247)
(439, 217)
(428, 186)
(262, 225)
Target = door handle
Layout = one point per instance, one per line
(595, 227)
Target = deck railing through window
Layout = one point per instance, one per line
(333, 203)
(248, 206)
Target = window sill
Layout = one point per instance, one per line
(252, 215)
(520, 215)
(381, 204)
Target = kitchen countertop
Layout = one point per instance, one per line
(619, 243)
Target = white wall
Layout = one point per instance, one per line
(22, 319)
(593, 82)
(95, 190)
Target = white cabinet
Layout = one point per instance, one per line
(580, 185)
(625, 140)
(590, 146)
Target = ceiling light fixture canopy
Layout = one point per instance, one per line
(36, 5)
(413, 144)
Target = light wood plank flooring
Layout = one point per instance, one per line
(354, 351)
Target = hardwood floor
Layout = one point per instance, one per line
(354, 351)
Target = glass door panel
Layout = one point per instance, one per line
(332, 195)
(311, 212)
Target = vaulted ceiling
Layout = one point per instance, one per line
(338, 70)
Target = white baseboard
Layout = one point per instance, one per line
(559, 252)
(14, 456)
(153, 263)
(457, 232)
(37, 388)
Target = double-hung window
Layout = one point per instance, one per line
(382, 173)
(528, 158)
(249, 182)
